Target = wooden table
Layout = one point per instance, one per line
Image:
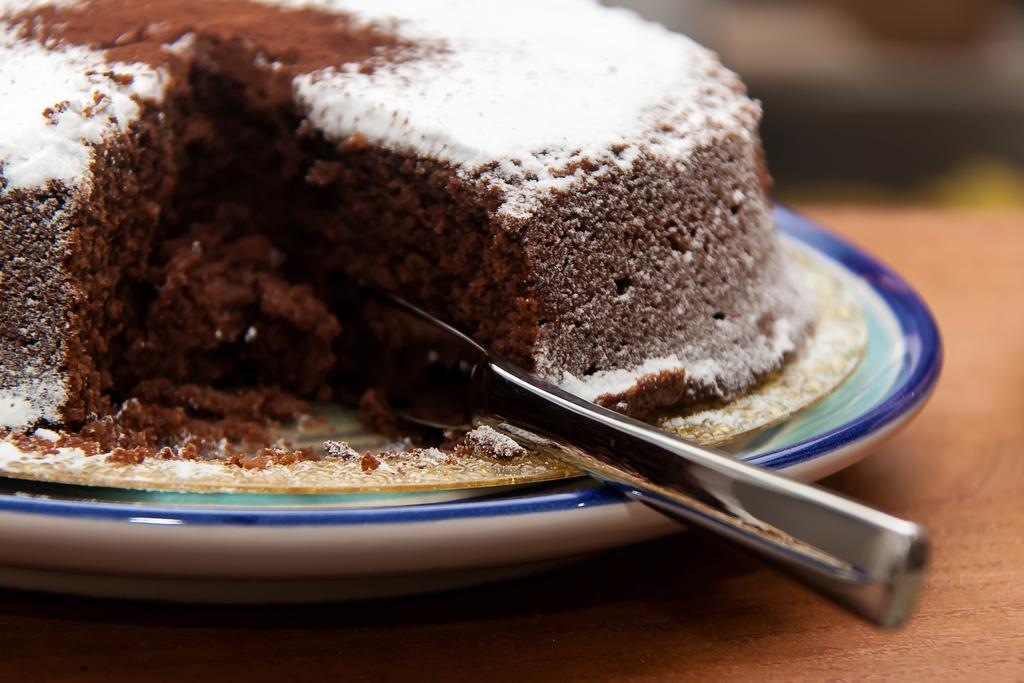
(679, 608)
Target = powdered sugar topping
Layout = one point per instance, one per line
(38, 397)
(59, 102)
(530, 95)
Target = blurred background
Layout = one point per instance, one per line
(877, 101)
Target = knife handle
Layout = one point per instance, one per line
(862, 559)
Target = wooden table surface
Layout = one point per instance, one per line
(679, 608)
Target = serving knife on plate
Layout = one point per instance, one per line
(863, 559)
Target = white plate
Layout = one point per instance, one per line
(251, 548)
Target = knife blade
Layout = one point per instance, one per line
(860, 558)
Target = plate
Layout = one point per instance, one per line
(245, 548)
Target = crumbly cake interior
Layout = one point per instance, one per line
(217, 245)
(252, 230)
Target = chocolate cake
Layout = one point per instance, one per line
(190, 189)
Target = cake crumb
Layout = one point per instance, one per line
(29, 442)
(487, 441)
(340, 449)
(271, 456)
(368, 463)
(128, 456)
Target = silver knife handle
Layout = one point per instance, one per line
(865, 560)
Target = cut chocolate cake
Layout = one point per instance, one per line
(190, 188)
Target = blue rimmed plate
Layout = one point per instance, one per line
(123, 544)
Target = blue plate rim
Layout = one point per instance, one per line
(921, 364)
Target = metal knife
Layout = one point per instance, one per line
(863, 559)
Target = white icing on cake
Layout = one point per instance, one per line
(738, 367)
(88, 99)
(38, 397)
(521, 90)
